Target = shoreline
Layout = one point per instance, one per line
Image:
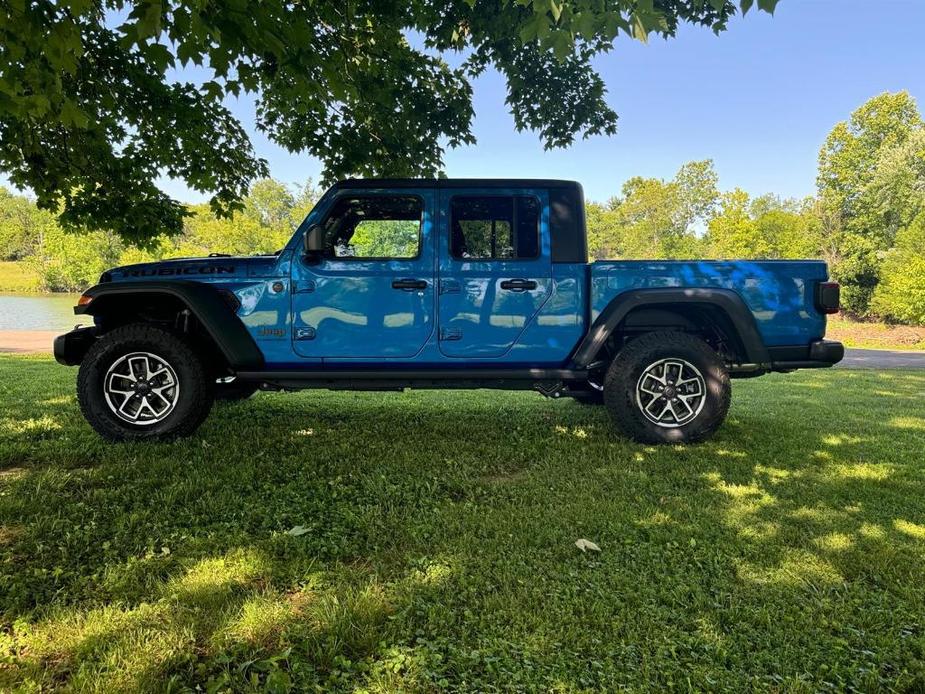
(27, 341)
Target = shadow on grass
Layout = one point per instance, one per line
(425, 541)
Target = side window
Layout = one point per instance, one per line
(382, 226)
(494, 227)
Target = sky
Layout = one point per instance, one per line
(759, 100)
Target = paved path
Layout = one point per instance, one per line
(40, 341)
(27, 340)
(882, 359)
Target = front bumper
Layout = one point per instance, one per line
(71, 347)
(817, 355)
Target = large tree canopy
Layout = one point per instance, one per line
(870, 168)
(92, 109)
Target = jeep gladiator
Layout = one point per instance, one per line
(446, 283)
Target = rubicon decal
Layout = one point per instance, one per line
(174, 271)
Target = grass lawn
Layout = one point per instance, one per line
(875, 335)
(17, 277)
(425, 541)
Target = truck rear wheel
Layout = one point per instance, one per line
(143, 382)
(667, 387)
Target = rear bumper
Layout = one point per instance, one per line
(71, 347)
(817, 355)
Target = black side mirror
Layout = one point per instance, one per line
(313, 241)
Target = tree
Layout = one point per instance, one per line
(306, 196)
(21, 226)
(790, 234)
(732, 233)
(900, 295)
(858, 164)
(90, 114)
(603, 225)
(70, 262)
(270, 203)
(654, 218)
(896, 190)
(765, 227)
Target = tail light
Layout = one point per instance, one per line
(827, 297)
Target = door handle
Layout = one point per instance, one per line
(409, 284)
(518, 285)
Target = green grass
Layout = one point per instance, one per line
(437, 544)
(17, 277)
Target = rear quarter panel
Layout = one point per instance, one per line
(778, 292)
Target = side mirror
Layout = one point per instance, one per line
(313, 241)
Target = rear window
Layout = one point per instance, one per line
(494, 227)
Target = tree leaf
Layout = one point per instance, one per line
(640, 33)
(555, 9)
(72, 115)
(585, 545)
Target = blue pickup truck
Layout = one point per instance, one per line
(447, 283)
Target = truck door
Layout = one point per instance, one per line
(371, 295)
(494, 268)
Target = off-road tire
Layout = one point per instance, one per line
(234, 391)
(626, 370)
(193, 401)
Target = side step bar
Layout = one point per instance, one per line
(398, 379)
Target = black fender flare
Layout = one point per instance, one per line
(676, 298)
(203, 301)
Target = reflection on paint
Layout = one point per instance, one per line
(777, 292)
(259, 319)
(250, 298)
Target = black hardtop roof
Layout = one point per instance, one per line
(457, 183)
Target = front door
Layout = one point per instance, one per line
(495, 271)
(371, 294)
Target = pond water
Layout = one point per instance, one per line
(39, 312)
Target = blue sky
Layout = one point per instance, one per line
(759, 100)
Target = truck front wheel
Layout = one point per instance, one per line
(667, 387)
(140, 381)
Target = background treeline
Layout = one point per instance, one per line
(867, 220)
(65, 261)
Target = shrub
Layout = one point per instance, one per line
(900, 296)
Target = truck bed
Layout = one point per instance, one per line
(778, 292)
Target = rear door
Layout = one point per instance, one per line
(371, 296)
(494, 271)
